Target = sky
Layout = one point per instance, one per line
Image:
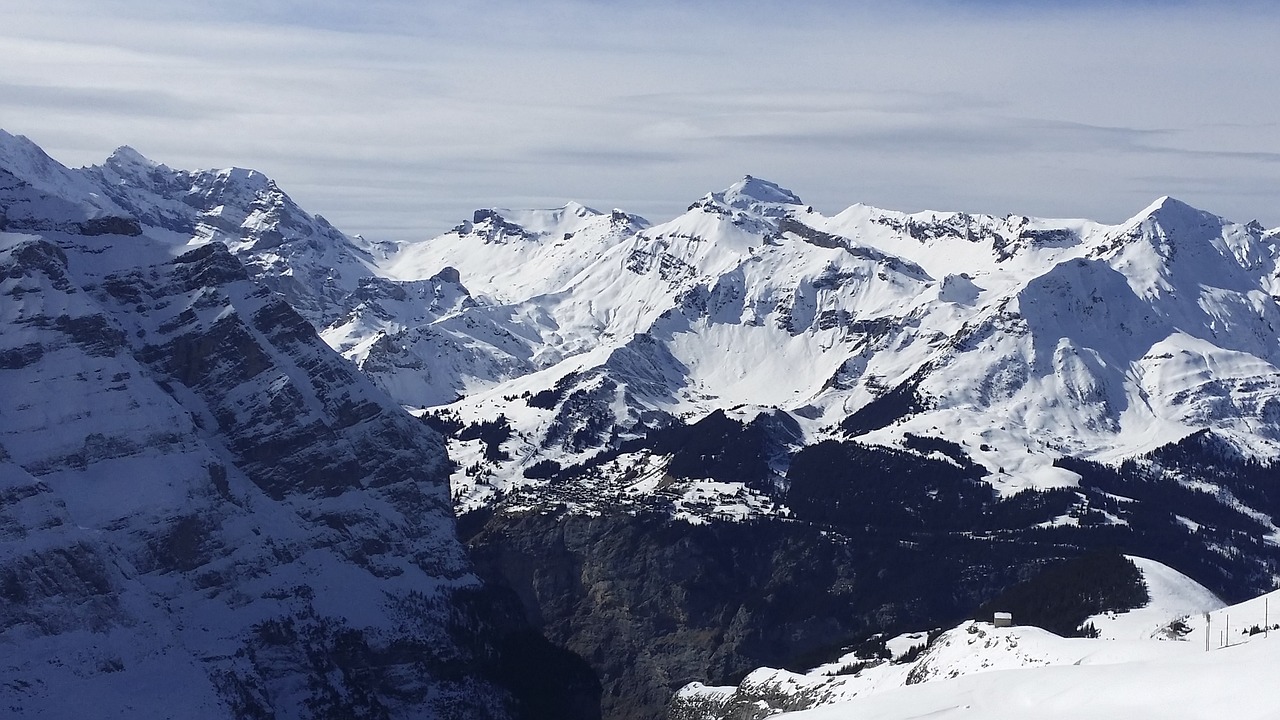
(396, 119)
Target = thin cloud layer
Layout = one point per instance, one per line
(396, 120)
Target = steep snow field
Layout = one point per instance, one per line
(1173, 595)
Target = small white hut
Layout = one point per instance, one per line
(1003, 619)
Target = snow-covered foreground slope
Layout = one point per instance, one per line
(1237, 683)
(1173, 595)
(977, 670)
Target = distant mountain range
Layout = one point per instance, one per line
(789, 402)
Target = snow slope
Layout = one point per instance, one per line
(1173, 595)
(977, 670)
(1235, 683)
(513, 255)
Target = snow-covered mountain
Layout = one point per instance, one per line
(1021, 340)
(1010, 334)
(814, 411)
(918, 377)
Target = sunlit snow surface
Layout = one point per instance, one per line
(1237, 683)
(980, 671)
(1026, 339)
(1173, 595)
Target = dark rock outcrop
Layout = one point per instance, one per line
(653, 604)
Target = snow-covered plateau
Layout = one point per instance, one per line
(565, 462)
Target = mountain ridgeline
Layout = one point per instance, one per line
(236, 439)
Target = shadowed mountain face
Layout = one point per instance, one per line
(749, 435)
(206, 511)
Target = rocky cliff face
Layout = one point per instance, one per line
(654, 604)
(206, 512)
(676, 586)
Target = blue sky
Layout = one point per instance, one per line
(395, 119)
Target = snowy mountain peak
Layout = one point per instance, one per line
(40, 192)
(491, 226)
(1171, 215)
(755, 190)
(13, 146)
(751, 195)
(26, 161)
(1170, 228)
(125, 156)
(246, 179)
(18, 154)
(504, 225)
(577, 209)
(127, 168)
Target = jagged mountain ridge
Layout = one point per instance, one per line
(1062, 337)
(753, 299)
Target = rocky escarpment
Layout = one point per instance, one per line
(206, 511)
(653, 604)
